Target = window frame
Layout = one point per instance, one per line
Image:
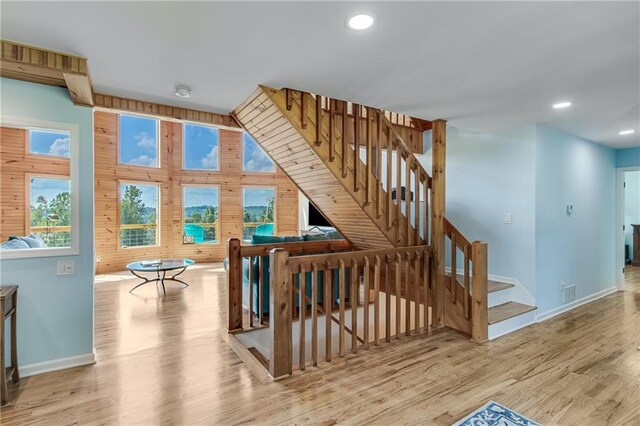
(218, 227)
(27, 192)
(74, 176)
(119, 141)
(275, 205)
(27, 145)
(158, 243)
(275, 166)
(184, 141)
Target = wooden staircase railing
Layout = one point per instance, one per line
(468, 300)
(362, 148)
(249, 317)
(365, 145)
(408, 315)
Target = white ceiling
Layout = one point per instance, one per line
(482, 65)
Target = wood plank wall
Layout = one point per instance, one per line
(16, 164)
(230, 179)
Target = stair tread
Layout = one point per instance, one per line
(492, 286)
(508, 310)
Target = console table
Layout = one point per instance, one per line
(8, 306)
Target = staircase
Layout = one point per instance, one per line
(504, 314)
(350, 160)
(335, 152)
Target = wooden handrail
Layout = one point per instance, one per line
(332, 261)
(451, 231)
(302, 247)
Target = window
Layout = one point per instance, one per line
(200, 147)
(138, 141)
(254, 158)
(200, 214)
(48, 142)
(258, 212)
(50, 210)
(138, 214)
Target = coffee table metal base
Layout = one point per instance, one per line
(161, 278)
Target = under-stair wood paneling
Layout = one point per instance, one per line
(229, 179)
(15, 164)
(298, 157)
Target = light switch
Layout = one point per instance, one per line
(507, 218)
(66, 267)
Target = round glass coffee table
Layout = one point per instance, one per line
(161, 267)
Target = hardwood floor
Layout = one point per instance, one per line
(167, 362)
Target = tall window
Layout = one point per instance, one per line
(253, 157)
(200, 214)
(50, 210)
(258, 211)
(138, 214)
(138, 141)
(200, 147)
(46, 142)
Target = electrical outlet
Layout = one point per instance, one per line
(97, 258)
(507, 218)
(66, 267)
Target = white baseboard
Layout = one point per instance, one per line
(57, 364)
(569, 306)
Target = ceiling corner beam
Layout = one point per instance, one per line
(420, 124)
(109, 102)
(36, 65)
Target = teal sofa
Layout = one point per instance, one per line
(255, 265)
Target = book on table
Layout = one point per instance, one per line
(154, 262)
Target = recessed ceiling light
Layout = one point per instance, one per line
(361, 21)
(561, 105)
(182, 92)
(626, 132)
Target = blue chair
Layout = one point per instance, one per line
(265, 229)
(196, 231)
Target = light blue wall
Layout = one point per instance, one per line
(629, 157)
(489, 175)
(55, 313)
(580, 248)
(533, 173)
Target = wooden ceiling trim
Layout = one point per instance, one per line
(36, 65)
(117, 103)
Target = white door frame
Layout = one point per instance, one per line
(620, 222)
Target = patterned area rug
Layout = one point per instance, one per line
(494, 414)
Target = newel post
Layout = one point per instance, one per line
(479, 293)
(234, 274)
(280, 329)
(439, 144)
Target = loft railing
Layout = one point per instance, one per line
(406, 273)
